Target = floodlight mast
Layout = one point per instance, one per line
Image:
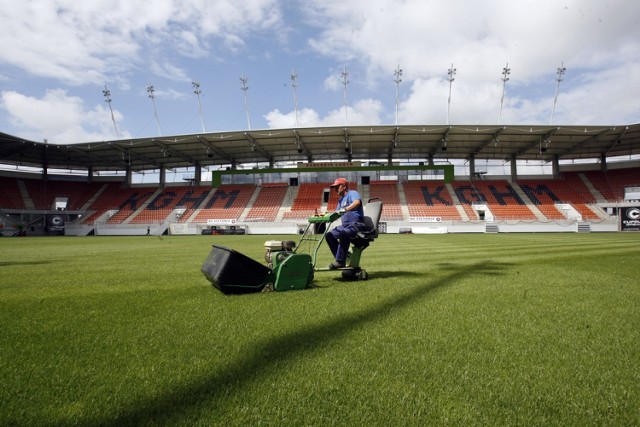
(107, 95)
(345, 82)
(398, 78)
(197, 91)
(245, 88)
(451, 73)
(505, 78)
(559, 74)
(294, 85)
(150, 91)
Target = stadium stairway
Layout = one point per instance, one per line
(28, 201)
(206, 200)
(252, 200)
(456, 202)
(95, 197)
(292, 192)
(403, 203)
(528, 203)
(143, 206)
(592, 189)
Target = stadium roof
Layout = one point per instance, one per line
(324, 144)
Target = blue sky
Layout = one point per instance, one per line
(56, 56)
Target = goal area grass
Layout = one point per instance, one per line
(456, 329)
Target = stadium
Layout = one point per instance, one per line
(491, 299)
(270, 181)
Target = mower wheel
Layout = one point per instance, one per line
(350, 274)
(363, 275)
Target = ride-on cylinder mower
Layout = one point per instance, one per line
(232, 272)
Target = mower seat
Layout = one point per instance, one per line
(368, 232)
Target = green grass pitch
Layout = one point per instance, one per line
(469, 329)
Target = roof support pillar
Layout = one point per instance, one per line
(603, 162)
(127, 179)
(45, 161)
(514, 168)
(472, 166)
(555, 167)
(430, 159)
(163, 177)
(197, 176)
(90, 174)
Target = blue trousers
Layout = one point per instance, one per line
(339, 239)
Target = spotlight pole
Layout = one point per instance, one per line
(107, 95)
(398, 78)
(559, 73)
(197, 91)
(345, 82)
(245, 88)
(294, 85)
(150, 91)
(505, 77)
(451, 77)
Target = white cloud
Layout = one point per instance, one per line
(61, 118)
(169, 71)
(65, 44)
(333, 83)
(602, 97)
(480, 38)
(363, 112)
(88, 42)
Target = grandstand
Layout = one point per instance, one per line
(89, 185)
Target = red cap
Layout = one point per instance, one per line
(339, 181)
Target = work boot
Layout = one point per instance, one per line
(336, 265)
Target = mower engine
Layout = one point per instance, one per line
(277, 251)
(292, 270)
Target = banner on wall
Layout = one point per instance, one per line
(630, 218)
(55, 224)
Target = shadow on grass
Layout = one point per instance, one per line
(488, 268)
(12, 263)
(390, 274)
(373, 276)
(267, 356)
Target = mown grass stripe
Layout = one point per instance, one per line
(449, 329)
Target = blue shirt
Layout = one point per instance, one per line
(356, 215)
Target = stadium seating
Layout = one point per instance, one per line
(268, 203)
(500, 197)
(429, 199)
(468, 195)
(226, 203)
(612, 183)
(542, 197)
(115, 197)
(503, 200)
(524, 200)
(570, 189)
(43, 193)
(308, 201)
(159, 209)
(388, 192)
(10, 196)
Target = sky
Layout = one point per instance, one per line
(58, 56)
